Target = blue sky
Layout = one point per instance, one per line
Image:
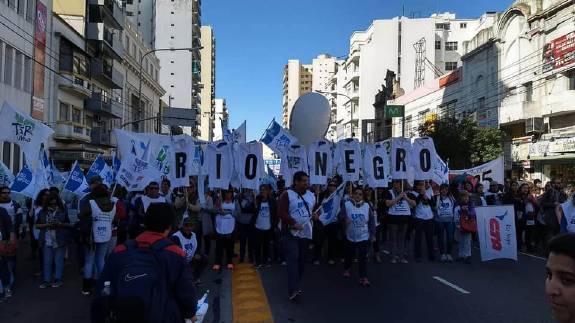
(255, 38)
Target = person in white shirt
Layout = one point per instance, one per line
(186, 239)
(359, 228)
(227, 212)
(444, 204)
(399, 205)
(142, 203)
(566, 215)
(166, 191)
(264, 223)
(423, 220)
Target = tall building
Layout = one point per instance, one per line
(88, 41)
(416, 50)
(297, 80)
(23, 84)
(221, 119)
(175, 25)
(208, 91)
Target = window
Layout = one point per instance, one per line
(21, 7)
(18, 71)
(451, 45)
(172, 85)
(171, 73)
(31, 10)
(76, 116)
(16, 159)
(80, 64)
(129, 14)
(528, 91)
(481, 103)
(463, 25)
(64, 112)
(6, 153)
(12, 4)
(1, 59)
(172, 25)
(134, 50)
(28, 74)
(172, 12)
(438, 44)
(130, 2)
(571, 84)
(450, 66)
(442, 26)
(8, 64)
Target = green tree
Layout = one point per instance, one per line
(462, 142)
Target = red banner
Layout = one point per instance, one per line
(559, 52)
(40, 58)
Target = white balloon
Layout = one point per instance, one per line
(309, 119)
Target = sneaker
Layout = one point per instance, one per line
(293, 296)
(355, 260)
(316, 262)
(365, 282)
(45, 285)
(8, 292)
(449, 258)
(346, 274)
(84, 292)
(378, 258)
(404, 261)
(443, 258)
(284, 263)
(57, 283)
(257, 266)
(231, 266)
(331, 262)
(216, 267)
(393, 260)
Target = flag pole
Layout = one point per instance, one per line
(268, 127)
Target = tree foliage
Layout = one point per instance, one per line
(462, 142)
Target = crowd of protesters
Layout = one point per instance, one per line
(392, 224)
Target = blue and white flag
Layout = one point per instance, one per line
(116, 163)
(136, 173)
(24, 182)
(100, 167)
(270, 178)
(76, 182)
(6, 175)
(440, 174)
(277, 138)
(329, 209)
(55, 177)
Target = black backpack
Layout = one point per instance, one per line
(140, 290)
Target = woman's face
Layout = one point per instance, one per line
(514, 186)
(52, 204)
(560, 286)
(358, 196)
(331, 187)
(468, 187)
(524, 189)
(228, 196)
(464, 199)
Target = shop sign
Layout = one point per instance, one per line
(539, 149)
(559, 52)
(562, 145)
(520, 151)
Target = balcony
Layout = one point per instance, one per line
(558, 103)
(68, 131)
(105, 73)
(105, 106)
(352, 76)
(75, 85)
(107, 11)
(101, 137)
(517, 112)
(105, 40)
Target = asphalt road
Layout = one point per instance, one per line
(497, 291)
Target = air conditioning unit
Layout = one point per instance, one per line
(534, 125)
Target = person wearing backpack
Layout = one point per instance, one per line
(147, 279)
(444, 204)
(96, 218)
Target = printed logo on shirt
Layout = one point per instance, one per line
(358, 220)
(129, 277)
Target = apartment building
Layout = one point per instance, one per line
(208, 90)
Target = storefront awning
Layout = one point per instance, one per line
(553, 157)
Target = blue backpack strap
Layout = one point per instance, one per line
(131, 244)
(161, 244)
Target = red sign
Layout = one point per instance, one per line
(559, 52)
(40, 57)
(450, 78)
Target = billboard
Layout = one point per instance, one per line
(559, 52)
(40, 59)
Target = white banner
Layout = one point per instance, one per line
(182, 156)
(320, 161)
(135, 174)
(492, 170)
(348, 159)
(423, 158)
(250, 164)
(400, 157)
(219, 163)
(376, 165)
(496, 232)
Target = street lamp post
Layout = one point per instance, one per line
(351, 110)
(189, 49)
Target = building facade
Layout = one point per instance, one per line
(297, 81)
(89, 95)
(171, 27)
(208, 90)
(18, 49)
(221, 119)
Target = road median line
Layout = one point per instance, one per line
(457, 288)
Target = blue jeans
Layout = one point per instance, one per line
(95, 258)
(295, 252)
(445, 236)
(53, 256)
(11, 262)
(465, 245)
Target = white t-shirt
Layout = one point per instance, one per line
(423, 211)
(400, 208)
(358, 229)
(225, 223)
(317, 173)
(372, 165)
(220, 154)
(249, 178)
(300, 213)
(147, 201)
(188, 245)
(293, 159)
(444, 208)
(102, 222)
(263, 221)
(348, 149)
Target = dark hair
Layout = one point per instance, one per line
(53, 197)
(165, 180)
(4, 187)
(300, 175)
(54, 189)
(38, 201)
(537, 180)
(563, 244)
(159, 217)
(153, 183)
(100, 191)
(444, 186)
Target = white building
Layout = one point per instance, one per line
(221, 117)
(390, 45)
(208, 91)
(297, 81)
(173, 24)
(17, 69)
